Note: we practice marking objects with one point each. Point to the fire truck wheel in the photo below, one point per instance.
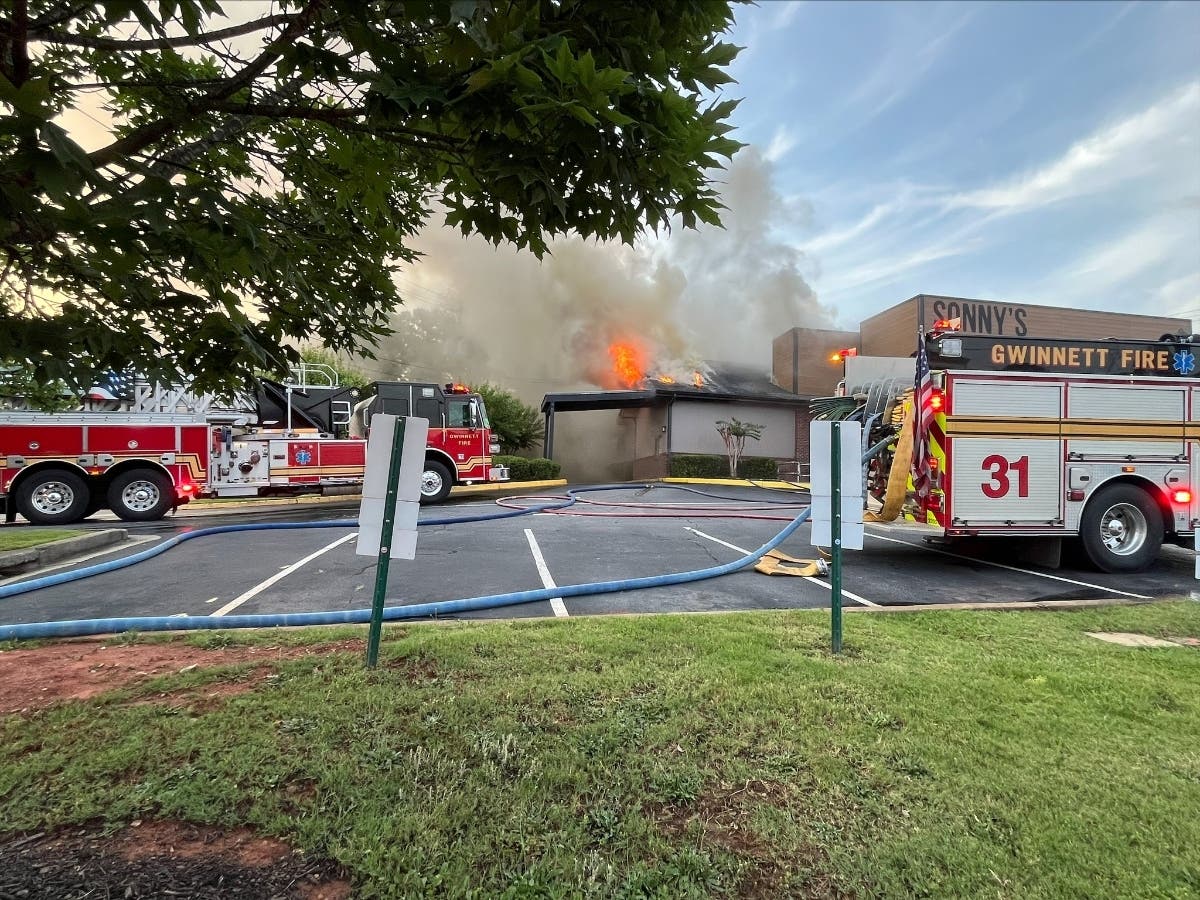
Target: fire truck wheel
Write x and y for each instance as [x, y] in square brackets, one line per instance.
[435, 482]
[1121, 529]
[140, 495]
[53, 497]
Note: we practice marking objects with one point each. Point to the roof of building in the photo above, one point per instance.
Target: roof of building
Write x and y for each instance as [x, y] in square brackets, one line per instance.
[722, 381]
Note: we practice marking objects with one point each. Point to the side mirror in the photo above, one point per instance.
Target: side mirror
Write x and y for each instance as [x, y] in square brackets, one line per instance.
[473, 413]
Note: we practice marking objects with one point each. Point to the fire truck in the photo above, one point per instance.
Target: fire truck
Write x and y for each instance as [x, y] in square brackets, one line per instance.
[1048, 438]
[60, 468]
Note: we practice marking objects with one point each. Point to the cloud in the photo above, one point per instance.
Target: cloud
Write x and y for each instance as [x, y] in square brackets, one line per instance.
[1129, 149]
[781, 144]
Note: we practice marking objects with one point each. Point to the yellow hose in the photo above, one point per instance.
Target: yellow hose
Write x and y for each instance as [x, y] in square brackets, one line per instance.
[897, 483]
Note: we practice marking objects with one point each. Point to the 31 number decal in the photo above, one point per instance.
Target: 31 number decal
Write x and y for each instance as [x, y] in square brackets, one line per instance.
[998, 483]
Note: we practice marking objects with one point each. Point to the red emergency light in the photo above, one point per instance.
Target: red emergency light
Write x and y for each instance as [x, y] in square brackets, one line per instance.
[937, 400]
[947, 325]
[457, 388]
[1182, 496]
[844, 353]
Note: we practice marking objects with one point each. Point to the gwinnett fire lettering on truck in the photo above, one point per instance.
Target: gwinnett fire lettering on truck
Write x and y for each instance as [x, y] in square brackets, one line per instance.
[59, 468]
[1089, 440]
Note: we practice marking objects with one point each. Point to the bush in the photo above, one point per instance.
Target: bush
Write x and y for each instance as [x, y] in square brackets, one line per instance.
[697, 465]
[522, 469]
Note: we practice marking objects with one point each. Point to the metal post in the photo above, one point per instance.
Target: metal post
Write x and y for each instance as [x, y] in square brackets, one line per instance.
[385, 544]
[835, 531]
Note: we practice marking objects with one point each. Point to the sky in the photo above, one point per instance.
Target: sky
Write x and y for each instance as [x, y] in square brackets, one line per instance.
[1027, 152]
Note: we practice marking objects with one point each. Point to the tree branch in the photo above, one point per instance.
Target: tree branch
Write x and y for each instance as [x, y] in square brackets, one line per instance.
[49, 36]
[19, 49]
[141, 138]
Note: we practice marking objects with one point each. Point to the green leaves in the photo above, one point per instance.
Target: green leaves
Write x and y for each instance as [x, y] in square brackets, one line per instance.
[230, 221]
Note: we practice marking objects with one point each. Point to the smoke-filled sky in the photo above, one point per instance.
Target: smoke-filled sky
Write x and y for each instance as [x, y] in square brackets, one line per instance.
[1023, 152]
[714, 294]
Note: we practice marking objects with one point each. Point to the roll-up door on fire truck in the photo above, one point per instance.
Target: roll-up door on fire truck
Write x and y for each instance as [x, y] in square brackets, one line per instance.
[1124, 422]
[1006, 462]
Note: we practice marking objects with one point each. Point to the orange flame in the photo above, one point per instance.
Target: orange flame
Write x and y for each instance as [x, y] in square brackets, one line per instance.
[697, 379]
[627, 363]
[666, 379]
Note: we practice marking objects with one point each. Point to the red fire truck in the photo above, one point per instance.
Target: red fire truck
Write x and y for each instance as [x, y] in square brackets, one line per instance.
[60, 468]
[1094, 440]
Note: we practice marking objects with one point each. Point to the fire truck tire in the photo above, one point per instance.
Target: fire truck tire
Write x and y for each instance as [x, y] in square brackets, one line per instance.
[1121, 529]
[53, 497]
[435, 482]
[141, 495]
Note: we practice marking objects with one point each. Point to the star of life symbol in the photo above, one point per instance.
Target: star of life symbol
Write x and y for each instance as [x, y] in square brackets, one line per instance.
[1184, 362]
[303, 457]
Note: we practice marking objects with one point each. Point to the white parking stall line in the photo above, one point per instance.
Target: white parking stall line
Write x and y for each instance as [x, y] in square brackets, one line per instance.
[829, 587]
[1087, 584]
[278, 576]
[556, 604]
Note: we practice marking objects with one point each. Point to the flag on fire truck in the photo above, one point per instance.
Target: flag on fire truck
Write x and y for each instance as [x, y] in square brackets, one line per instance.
[922, 418]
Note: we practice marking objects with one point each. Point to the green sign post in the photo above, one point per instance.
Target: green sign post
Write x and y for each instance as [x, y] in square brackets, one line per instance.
[385, 544]
[835, 533]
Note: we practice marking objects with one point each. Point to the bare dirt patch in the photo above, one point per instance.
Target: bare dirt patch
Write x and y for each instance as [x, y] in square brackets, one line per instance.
[164, 859]
[723, 813]
[78, 670]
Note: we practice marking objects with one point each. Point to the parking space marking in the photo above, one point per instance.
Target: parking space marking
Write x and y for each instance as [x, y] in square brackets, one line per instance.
[278, 576]
[829, 587]
[556, 603]
[1087, 584]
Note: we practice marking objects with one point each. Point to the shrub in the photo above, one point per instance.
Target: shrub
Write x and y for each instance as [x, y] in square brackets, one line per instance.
[522, 469]
[698, 465]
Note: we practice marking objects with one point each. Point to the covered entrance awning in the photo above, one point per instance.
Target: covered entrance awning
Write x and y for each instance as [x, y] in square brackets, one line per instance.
[589, 400]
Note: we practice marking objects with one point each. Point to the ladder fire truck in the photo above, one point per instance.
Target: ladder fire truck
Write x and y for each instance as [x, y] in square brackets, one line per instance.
[1094, 440]
[59, 468]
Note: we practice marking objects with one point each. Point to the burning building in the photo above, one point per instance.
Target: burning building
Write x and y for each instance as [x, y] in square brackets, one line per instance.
[666, 407]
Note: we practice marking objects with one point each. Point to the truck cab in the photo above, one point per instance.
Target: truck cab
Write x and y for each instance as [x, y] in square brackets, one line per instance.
[460, 444]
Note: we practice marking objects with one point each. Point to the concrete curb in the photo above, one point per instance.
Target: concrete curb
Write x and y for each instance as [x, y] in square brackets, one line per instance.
[210, 507]
[741, 482]
[17, 562]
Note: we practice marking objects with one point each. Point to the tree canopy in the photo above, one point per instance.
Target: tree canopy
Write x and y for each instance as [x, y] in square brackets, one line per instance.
[517, 426]
[262, 175]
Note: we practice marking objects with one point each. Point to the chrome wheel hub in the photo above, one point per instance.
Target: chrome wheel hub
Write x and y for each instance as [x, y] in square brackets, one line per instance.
[140, 496]
[1123, 528]
[52, 498]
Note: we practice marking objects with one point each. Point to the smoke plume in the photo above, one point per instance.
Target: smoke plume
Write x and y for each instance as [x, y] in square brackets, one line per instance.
[477, 313]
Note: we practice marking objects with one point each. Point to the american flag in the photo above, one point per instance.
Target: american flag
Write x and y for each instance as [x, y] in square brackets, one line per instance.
[922, 419]
[113, 386]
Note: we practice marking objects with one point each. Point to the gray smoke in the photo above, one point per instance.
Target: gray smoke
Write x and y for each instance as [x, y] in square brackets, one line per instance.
[476, 313]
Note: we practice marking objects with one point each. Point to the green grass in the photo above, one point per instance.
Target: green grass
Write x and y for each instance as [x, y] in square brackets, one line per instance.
[20, 538]
[944, 755]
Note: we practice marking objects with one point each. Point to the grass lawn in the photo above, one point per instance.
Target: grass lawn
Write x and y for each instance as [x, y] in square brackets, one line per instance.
[20, 538]
[956, 754]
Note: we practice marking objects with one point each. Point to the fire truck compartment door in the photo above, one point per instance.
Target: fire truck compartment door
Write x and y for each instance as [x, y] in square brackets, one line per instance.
[1001, 481]
[1125, 421]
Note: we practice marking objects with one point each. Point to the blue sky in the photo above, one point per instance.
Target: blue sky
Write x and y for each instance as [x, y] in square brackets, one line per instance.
[1035, 152]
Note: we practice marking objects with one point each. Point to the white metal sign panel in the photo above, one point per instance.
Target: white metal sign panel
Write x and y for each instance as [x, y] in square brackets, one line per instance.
[404, 532]
[852, 535]
[996, 482]
[408, 488]
[821, 458]
[1007, 398]
[379, 457]
[1101, 403]
[852, 508]
[821, 486]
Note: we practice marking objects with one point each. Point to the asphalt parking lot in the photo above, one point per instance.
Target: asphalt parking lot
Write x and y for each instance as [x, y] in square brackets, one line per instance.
[615, 535]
